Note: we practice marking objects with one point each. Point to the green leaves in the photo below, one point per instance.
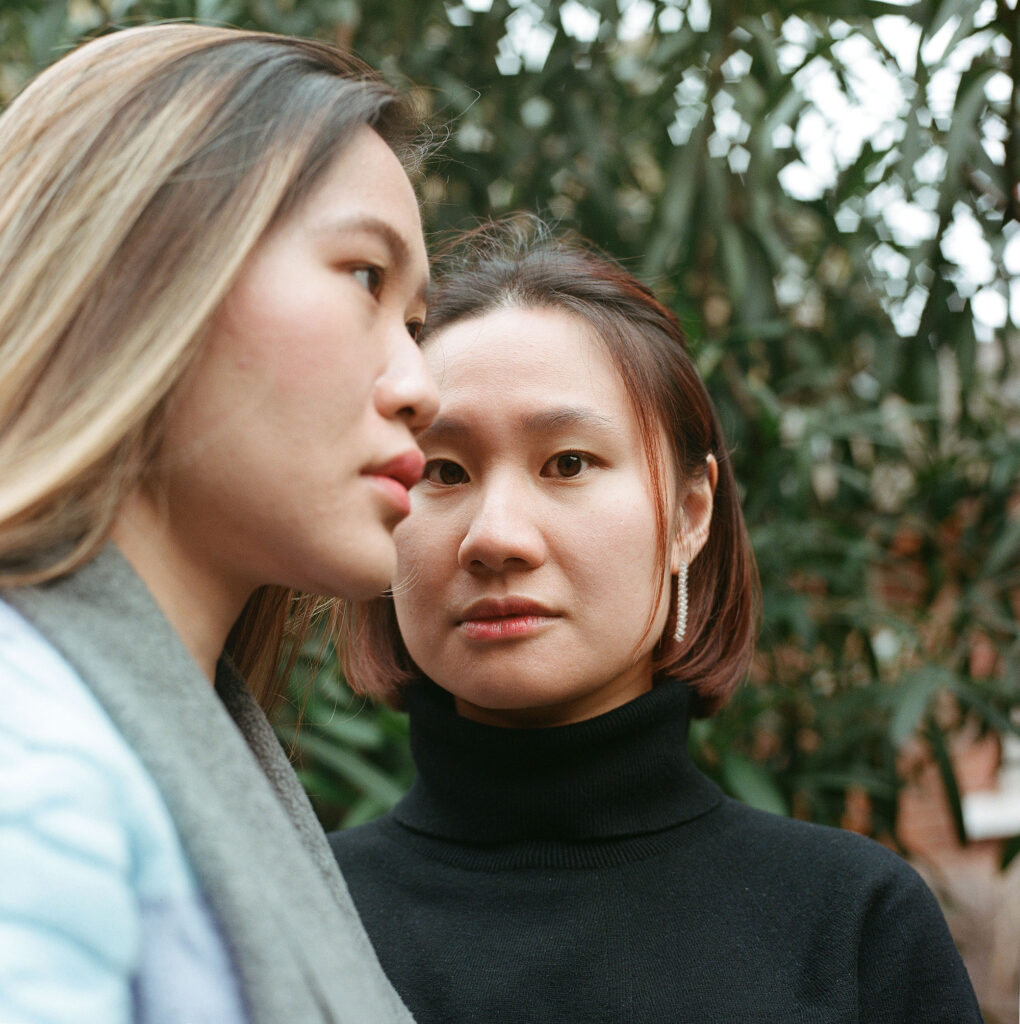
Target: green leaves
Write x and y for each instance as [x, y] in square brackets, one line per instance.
[752, 784]
[873, 418]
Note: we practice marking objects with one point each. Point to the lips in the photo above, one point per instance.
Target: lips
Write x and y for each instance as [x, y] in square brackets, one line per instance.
[407, 468]
[395, 478]
[501, 619]
[504, 608]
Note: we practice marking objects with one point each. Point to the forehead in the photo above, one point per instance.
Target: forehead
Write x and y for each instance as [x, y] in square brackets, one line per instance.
[512, 358]
[367, 182]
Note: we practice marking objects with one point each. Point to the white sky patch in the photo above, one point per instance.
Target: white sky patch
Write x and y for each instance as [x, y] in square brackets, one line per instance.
[910, 223]
[990, 307]
[831, 133]
[931, 165]
[934, 49]
[635, 19]
[690, 95]
[900, 36]
[965, 245]
[699, 15]
[536, 112]
[580, 22]
[527, 42]
[739, 159]
[945, 80]
[478, 6]
[736, 66]
[458, 16]
[1011, 250]
[1011, 261]
[671, 19]
[998, 87]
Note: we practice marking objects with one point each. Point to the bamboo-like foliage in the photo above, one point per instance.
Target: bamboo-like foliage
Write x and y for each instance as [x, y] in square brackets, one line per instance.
[849, 301]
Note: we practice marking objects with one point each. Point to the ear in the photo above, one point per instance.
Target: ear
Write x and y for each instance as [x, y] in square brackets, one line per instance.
[694, 516]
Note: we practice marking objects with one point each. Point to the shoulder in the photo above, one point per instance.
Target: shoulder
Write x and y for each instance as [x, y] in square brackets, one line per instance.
[777, 842]
[808, 864]
[842, 894]
[361, 841]
[84, 837]
[61, 749]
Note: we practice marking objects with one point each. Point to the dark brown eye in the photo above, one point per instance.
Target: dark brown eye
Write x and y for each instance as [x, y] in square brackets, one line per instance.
[569, 465]
[565, 465]
[445, 472]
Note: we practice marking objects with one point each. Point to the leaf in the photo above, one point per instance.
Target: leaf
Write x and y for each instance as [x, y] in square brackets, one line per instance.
[352, 767]
[359, 731]
[839, 781]
[1009, 851]
[946, 10]
[964, 135]
[940, 749]
[672, 231]
[990, 716]
[749, 782]
[1005, 552]
[45, 32]
[910, 703]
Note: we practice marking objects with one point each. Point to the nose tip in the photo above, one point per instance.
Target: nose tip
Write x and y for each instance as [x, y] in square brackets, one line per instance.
[500, 537]
[408, 391]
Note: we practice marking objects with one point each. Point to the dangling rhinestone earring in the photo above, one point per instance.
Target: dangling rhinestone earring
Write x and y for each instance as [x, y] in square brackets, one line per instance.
[681, 604]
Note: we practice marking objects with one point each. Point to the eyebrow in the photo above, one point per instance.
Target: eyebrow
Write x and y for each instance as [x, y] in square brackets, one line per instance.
[391, 239]
[545, 421]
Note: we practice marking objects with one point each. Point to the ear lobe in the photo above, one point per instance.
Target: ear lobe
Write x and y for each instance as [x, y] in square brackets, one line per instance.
[695, 517]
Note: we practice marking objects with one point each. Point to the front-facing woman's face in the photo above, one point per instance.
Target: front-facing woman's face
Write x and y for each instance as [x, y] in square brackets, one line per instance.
[527, 572]
[289, 452]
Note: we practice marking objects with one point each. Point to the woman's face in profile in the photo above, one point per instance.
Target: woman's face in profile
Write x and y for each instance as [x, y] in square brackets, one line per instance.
[527, 570]
[290, 449]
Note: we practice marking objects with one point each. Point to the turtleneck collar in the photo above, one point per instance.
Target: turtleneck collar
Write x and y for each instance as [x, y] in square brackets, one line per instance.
[624, 773]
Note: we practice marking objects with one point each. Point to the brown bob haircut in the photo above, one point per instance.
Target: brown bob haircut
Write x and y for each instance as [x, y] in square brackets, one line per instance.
[519, 263]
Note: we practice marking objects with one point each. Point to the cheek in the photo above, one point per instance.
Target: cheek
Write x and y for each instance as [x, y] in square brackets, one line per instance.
[419, 573]
[297, 328]
[619, 561]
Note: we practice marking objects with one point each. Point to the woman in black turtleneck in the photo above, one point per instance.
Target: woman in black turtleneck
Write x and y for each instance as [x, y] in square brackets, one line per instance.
[575, 582]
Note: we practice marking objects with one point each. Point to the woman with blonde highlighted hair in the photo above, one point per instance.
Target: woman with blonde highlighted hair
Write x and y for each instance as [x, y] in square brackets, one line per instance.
[213, 278]
[574, 585]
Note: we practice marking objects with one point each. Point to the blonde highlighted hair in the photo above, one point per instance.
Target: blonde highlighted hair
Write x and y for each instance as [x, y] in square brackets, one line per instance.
[136, 176]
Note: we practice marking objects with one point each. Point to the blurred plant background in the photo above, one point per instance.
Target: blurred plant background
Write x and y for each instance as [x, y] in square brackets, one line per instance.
[826, 192]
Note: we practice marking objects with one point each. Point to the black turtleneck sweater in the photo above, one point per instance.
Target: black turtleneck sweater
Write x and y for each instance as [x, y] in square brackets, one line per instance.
[590, 873]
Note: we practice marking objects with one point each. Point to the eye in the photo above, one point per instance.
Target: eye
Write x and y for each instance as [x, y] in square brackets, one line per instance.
[445, 473]
[369, 277]
[414, 328]
[566, 465]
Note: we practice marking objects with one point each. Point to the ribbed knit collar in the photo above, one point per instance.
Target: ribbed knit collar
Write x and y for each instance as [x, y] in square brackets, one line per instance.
[624, 773]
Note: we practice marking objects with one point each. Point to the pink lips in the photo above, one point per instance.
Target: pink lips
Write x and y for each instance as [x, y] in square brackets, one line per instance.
[503, 618]
[398, 476]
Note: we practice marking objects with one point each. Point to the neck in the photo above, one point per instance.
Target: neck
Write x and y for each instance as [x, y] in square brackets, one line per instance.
[619, 774]
[628, 685]
[201, 603]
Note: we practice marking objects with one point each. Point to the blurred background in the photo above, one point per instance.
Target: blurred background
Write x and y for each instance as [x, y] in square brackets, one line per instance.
[826, 192]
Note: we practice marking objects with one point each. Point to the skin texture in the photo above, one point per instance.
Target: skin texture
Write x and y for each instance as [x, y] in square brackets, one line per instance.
[311, 379]
[537, 487]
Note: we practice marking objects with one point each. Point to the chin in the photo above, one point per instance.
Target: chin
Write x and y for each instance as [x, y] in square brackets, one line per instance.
[371, 581]
[359, 580]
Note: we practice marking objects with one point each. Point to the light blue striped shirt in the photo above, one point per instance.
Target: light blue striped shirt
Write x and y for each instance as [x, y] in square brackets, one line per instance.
[101, 918]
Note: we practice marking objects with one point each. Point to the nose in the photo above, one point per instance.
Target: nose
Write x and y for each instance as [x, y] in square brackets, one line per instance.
[503, 533]
[406, 389]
